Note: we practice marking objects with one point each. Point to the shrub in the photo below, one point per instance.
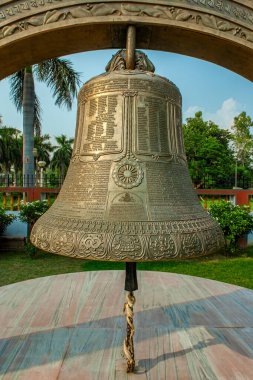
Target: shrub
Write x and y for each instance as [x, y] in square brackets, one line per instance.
[5, 219]
[235, 221]
[31, 211]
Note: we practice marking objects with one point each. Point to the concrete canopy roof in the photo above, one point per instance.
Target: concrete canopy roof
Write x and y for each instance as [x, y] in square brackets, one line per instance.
[219, 31]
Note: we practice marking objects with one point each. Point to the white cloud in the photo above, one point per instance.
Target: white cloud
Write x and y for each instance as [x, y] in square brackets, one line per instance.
[224, 116]
[190, 112]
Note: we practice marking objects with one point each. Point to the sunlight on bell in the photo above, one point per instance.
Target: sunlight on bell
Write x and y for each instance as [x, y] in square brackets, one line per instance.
[128, 195]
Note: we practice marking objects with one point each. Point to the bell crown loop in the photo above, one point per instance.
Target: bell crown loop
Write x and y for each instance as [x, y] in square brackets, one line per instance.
[118, 62]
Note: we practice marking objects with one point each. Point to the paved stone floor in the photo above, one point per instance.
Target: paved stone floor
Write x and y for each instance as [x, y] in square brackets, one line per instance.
[71, 327]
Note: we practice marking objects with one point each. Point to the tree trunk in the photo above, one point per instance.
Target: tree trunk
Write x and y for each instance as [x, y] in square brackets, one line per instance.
[28, 132]
[15, 176]
[7, 177]
[62, 172]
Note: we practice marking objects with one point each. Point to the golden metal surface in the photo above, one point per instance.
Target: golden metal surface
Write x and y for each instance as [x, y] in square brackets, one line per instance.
[130, 47]
[219, 31]
[128, 195]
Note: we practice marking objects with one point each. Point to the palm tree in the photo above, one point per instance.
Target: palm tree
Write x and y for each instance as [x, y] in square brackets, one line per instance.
[17, 163]
[10, 150]
[60, 76]
[43, 147]
[62, 154]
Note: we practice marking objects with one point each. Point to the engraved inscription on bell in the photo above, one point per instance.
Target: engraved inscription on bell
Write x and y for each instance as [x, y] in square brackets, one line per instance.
[152, 132]
[128, 195]
[102, 125]
[85, 191]
[128, 206]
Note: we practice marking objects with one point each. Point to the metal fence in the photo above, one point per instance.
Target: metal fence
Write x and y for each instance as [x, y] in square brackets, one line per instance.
[54, 181]
[208, 182]
[49, 181]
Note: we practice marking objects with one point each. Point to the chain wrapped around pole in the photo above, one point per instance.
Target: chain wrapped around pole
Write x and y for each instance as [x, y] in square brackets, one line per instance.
[128, 346]
[131, 285]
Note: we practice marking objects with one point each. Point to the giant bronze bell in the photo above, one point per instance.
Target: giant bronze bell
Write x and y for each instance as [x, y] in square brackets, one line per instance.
[128, 195]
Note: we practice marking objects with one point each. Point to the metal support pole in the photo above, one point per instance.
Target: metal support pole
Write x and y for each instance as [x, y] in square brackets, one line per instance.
[131, 283]
[130, 47]
[131, 276]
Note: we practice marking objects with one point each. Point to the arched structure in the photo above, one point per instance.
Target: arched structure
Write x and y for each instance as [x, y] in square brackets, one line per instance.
[219, 31]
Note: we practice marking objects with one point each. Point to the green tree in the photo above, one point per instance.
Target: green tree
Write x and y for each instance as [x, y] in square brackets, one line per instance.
[10, 150]
[62, 154]
[60, 76]
[18, 159]
[43, 147]
[208, 150]
[5, 219]
[234, 220]
[30, 213]
[242, 139]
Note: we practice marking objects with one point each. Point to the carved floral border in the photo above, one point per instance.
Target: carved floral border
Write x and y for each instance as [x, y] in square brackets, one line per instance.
[228, 8]
[127, 9]
[128, 240]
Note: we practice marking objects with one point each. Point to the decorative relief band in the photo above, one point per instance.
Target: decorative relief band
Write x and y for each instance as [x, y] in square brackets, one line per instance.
[223, 7]
[226, 8]
[23, 7]
[132, 228]
[235, 28]
[124, 241]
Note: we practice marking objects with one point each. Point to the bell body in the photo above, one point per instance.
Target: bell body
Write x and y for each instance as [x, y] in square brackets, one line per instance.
[128, 195]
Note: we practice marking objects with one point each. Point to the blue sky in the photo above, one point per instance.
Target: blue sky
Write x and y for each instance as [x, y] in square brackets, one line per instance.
[218, 92]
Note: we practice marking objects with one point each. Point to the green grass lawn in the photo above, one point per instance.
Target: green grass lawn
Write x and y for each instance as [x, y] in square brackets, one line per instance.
[18, 266]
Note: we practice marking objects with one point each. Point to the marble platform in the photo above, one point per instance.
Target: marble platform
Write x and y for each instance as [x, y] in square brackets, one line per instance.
[71, 327]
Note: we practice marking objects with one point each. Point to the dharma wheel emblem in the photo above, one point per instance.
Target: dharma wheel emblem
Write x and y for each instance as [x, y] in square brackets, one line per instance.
[128, 174]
